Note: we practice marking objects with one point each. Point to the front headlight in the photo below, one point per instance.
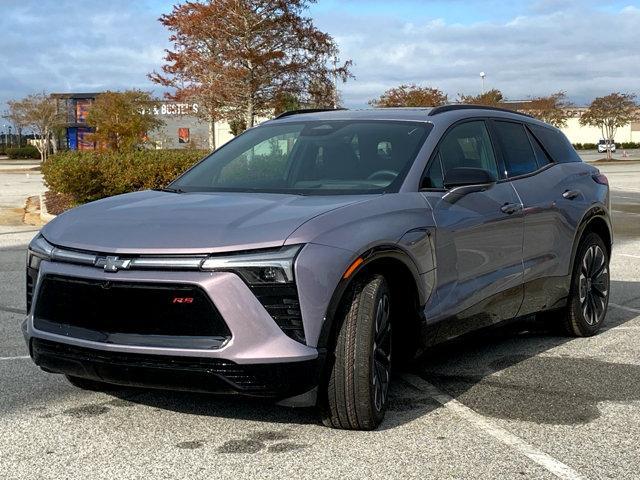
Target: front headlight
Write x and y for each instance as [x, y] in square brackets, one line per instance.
[257, 268]
[39, 249]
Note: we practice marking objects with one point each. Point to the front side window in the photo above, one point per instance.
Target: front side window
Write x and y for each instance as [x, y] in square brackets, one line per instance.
[465, 145]
[313, 157]
[518, 155]
[433, 178]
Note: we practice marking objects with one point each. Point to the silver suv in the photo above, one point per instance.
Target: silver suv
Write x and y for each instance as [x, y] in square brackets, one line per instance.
[303, 259]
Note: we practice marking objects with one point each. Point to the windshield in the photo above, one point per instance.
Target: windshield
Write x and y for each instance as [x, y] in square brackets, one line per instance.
[333, 157]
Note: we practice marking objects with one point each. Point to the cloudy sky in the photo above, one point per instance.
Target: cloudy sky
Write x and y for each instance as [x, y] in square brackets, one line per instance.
[527, 48]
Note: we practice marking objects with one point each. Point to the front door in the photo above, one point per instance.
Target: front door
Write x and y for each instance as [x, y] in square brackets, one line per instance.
[478, 238]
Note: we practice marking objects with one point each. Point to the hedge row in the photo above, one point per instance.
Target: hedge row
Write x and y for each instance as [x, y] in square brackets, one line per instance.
[585, 146]
[88, 176]
[28, 151]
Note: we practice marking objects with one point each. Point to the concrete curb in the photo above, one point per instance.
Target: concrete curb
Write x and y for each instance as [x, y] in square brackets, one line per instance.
[45, 216]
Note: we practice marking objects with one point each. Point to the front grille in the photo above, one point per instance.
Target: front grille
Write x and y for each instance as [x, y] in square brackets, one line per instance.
[32, 275]
[110, 311]
[189, 373]
[281, 302]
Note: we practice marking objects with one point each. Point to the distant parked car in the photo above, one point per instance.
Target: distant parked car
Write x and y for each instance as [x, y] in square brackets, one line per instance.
[302, 258]
[604, 145]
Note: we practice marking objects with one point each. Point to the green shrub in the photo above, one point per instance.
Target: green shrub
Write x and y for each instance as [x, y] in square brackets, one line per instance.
[578, 146]
[589, 146]
[28, 151]
[92, 175]
[629, 145]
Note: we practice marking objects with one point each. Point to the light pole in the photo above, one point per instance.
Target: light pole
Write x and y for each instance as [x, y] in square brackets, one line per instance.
[482, 75]
[335, 82]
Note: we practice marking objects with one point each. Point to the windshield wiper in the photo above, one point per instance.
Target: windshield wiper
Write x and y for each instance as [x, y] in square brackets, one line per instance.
[170, 190]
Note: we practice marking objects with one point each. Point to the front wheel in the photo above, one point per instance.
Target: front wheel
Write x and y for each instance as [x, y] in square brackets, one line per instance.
[358, 385]
[589, 293]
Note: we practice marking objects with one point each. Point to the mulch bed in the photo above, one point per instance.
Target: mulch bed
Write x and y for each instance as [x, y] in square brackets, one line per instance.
[57, 202]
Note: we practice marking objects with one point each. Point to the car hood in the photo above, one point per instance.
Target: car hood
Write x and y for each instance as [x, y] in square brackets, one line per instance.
[164, 222]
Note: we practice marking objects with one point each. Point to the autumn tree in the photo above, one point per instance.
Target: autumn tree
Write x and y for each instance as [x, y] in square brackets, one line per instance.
[237, 56]
[490, 98]
[285, 102]
[410, 96]
[121, 120]
[554, 109]
[38, 113]
[610, 113]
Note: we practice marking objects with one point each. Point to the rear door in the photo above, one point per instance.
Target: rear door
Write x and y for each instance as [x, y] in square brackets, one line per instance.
[478, 239]
[546, 190]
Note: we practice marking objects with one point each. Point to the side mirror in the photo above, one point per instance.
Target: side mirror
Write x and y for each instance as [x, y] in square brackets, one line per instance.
[462, 181]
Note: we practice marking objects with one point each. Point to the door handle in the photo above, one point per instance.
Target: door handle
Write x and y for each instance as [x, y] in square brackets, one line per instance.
[510, 208]
[570, 194]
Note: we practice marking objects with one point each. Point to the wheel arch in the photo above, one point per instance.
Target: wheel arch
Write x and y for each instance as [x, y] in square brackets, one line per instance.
[595, 220]
[389, 260]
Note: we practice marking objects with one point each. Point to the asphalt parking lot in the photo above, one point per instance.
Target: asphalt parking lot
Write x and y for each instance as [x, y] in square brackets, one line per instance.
[517, 402]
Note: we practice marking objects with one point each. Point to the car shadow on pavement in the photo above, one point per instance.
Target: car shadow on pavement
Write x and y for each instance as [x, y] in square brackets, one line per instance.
[527, 371]
[523, 370]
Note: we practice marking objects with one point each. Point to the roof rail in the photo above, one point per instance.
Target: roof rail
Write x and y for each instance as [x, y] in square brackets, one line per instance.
[463, 106]
[307, 110]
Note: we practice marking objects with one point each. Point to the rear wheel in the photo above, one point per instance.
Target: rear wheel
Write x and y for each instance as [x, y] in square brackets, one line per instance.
[589, 293]
[358, 385]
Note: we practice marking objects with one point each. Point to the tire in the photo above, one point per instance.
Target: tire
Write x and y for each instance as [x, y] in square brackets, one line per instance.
[358, 383]
[86, 384]
[590, 288]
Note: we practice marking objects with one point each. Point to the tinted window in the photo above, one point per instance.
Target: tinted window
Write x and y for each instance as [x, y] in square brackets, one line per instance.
[518, 155]
[556, 144]
[313, 157]
[433, 178]
[541, 156]
[468, 145]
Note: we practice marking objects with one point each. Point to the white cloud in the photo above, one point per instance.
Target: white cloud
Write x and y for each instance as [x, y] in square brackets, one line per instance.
[546, 46]
[77, 46]
[583, 51]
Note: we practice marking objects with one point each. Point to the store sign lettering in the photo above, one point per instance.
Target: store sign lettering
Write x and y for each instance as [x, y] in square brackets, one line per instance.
[176, 109]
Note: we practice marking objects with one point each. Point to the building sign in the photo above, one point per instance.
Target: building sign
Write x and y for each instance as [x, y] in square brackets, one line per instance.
[176, 109]
[183, 135]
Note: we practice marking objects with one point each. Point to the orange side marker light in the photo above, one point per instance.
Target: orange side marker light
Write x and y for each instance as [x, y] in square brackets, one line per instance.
[352, 268]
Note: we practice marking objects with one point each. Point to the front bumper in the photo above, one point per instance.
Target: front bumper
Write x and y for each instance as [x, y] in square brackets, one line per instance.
[255, 336]
[199, 374]
[258, 359]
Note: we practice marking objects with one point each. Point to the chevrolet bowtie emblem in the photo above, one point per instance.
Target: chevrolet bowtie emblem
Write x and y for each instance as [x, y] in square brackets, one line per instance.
[113, 264]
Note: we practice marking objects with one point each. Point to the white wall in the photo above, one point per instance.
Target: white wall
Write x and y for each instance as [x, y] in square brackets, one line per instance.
[576, 133]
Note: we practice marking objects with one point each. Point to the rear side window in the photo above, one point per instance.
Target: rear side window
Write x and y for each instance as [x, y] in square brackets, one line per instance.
[541, 156]
[556, 144]
[519, 157]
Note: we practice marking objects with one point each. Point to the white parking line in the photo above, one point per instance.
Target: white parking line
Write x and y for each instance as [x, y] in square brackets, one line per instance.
[626, 213]
[626, 198]
[622, 307]
[629, 255]
[22, 357]
[556, 467]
